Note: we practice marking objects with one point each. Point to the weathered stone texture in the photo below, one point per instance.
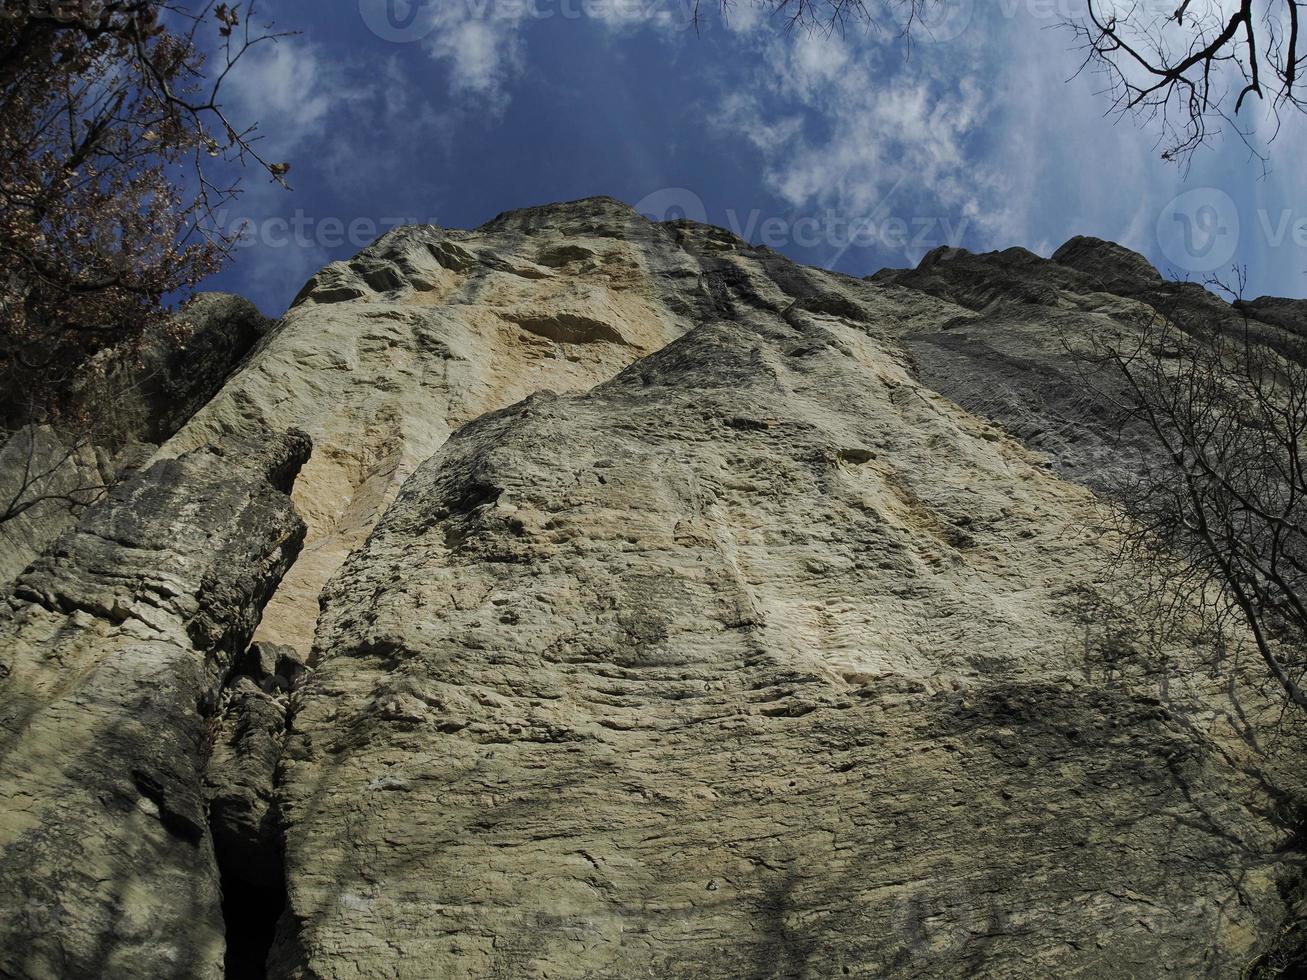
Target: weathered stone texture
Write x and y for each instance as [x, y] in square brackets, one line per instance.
[762, 659]
[664, 609]
[383, 356]
[129, 401]
[113, 647]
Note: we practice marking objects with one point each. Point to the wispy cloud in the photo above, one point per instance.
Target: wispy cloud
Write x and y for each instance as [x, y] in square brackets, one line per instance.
[291, 88]
[845, 122]
[481, 46]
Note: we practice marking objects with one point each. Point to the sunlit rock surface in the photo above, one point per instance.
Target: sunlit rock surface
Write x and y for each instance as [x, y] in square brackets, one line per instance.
[664, 608]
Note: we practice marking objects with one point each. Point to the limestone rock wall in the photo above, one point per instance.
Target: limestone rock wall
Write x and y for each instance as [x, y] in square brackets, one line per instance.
[46, 480]
[382, 357]
[1010, 354]
[762, 659]
[649, 605]
[113, 648]
[130, 401]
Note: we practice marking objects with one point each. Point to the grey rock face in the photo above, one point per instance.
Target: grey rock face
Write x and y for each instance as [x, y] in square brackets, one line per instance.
[760, 659]
[1112, 266]
[382, 357]
[1287, 314]
[239, 782]
[670, 615]
[147, 394]
[240, 778]
[45, 483]
[136, 399]
[112, 648]
[1010, 355]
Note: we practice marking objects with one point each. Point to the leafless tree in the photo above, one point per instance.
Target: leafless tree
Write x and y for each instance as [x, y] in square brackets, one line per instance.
[1191, 66]
[1218, 516]
[111, 124]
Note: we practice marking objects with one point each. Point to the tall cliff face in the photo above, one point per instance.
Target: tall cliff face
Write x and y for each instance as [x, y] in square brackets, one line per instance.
[112, 647]
[382, 357]
[667, 613]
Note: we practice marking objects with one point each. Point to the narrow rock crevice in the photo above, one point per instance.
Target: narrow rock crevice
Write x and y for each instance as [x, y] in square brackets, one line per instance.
[250, 913]
[248, 733]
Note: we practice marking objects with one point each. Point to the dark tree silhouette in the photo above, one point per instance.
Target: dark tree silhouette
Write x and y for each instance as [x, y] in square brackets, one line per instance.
[112, 130]
[1192, 71]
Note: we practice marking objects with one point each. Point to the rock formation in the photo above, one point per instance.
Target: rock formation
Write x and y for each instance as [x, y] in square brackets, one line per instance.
[382, 357]
[113, 649]
[664, 609]
[132, 400]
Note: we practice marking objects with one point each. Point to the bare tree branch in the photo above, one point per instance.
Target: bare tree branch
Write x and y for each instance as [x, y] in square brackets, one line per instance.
[1192, 73]
[1219, 516]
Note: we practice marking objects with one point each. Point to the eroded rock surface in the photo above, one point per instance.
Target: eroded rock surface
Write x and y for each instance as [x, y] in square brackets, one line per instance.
[762, 659]
[112, 421]
[664, 609]
[1011, 354]
[147, 393]
[383, 356]
[113, 647]
[46, 481]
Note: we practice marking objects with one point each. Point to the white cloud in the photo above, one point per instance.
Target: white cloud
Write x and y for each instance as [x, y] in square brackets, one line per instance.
[483, 44]
[482, 47]
[856, 129]
[290, 88]
[628, 14]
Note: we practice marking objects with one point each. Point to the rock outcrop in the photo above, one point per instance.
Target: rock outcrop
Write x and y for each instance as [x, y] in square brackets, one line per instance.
[113, 649]
[46, 481]
[1011, 355]
[761, 659]
[382, 357]
[131, 400]
[663, 608]
[147, 393]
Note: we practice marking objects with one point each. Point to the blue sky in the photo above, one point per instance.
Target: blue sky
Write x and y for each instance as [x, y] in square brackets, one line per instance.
[849, 152]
